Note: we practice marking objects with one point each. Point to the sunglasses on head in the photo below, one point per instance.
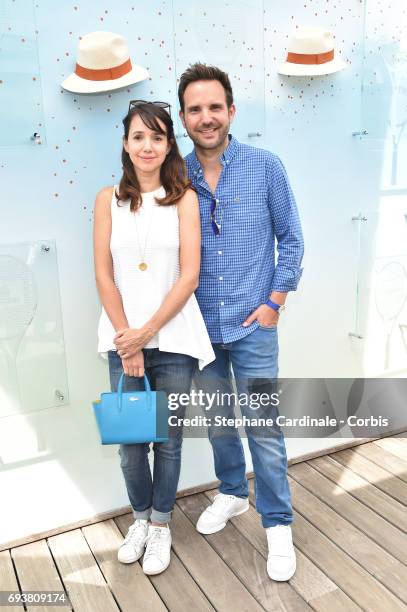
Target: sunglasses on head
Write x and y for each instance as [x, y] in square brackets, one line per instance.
[164, 105]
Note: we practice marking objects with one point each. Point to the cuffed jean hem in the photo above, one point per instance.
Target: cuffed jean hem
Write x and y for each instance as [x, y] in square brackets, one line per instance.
[149, 514]
[160, 517]
[143, 514]
[271, 523]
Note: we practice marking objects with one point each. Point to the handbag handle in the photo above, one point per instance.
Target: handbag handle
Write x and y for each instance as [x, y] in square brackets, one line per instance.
[146, 384]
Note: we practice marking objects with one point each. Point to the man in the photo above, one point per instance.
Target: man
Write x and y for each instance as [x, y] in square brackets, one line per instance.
[246, 205]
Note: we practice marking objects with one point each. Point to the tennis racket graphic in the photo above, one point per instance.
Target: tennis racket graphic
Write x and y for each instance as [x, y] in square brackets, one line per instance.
[390, 297]
[18, 303]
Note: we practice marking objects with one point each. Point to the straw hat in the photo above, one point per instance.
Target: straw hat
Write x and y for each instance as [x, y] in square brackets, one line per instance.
[103, 64]
[311, 52]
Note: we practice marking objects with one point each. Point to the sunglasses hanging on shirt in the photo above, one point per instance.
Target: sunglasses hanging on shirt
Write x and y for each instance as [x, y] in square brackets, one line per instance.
[216, 225]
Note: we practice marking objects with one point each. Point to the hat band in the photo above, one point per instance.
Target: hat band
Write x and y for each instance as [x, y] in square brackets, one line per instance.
[310, 58]
[103, 74]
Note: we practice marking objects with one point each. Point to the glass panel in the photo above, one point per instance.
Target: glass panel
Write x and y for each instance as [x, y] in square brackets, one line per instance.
[199, 37]
[32, 352]
[384, 288]
[384, 79]
[20, 87]
[381, 291]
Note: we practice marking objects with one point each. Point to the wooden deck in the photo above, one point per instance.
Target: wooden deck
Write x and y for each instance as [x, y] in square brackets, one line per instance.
[349, 532]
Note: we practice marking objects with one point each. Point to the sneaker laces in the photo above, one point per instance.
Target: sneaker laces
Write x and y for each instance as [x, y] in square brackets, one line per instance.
[279, 540]
[221, 502]
[136, 534]
[155, 541]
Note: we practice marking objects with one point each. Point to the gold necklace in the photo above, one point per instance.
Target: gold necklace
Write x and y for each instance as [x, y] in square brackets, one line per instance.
[143, 265]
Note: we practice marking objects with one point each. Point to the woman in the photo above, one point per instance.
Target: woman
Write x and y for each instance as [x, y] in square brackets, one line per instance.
[147, 259]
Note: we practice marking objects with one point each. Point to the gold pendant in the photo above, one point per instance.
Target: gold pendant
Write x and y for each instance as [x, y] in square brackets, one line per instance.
[142, 266]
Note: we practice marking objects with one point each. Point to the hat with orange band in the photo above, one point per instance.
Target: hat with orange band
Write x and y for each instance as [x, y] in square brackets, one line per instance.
[311, 52]
[103, 64]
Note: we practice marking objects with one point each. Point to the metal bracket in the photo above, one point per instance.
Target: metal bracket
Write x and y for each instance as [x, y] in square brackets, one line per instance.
[353, 335]
[361, 133]
[36, 137]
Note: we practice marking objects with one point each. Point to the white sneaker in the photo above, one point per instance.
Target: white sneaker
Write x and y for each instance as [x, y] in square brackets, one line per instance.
[224, 507]
[134, 542]
[281, 562]
[157, 555]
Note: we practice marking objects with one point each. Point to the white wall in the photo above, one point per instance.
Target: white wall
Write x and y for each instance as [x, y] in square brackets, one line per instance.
[308, 122]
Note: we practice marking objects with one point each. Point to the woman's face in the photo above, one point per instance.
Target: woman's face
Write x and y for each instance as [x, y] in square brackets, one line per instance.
[147, 149]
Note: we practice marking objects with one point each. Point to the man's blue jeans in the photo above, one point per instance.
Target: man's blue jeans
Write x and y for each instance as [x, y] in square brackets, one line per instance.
[254, 360]
[153, 498]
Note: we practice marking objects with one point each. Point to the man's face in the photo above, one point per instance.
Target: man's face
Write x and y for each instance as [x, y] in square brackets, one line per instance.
[206, 116]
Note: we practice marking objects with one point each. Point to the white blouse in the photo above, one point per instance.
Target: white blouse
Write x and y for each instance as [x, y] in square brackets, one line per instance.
[151, 235]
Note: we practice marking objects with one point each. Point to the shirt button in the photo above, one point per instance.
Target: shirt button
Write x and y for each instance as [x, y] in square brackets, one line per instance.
[217, 201]
[222, 303]
[220, 277]
[219, 252]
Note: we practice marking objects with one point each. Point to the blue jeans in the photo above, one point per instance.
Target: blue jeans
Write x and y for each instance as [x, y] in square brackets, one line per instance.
[254, 360]
[153, 497]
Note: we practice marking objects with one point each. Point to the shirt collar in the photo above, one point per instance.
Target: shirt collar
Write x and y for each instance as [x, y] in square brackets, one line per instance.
[225, 159]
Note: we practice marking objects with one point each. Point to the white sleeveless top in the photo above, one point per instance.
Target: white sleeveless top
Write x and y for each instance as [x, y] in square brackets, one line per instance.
[142, 292]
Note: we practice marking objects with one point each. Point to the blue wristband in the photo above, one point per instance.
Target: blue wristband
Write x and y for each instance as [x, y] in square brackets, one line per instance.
[272, 305]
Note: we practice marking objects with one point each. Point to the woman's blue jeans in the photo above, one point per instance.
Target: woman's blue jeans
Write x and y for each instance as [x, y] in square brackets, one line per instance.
[153, 497]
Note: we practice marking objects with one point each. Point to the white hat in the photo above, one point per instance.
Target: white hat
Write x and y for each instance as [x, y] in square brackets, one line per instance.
[311, 52]
[103, 64]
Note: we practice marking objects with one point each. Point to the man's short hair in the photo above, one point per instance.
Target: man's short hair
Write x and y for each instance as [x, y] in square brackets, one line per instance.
[202, 72]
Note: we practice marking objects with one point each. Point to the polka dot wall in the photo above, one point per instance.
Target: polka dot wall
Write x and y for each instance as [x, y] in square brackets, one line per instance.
[247, 38]
[308, 121]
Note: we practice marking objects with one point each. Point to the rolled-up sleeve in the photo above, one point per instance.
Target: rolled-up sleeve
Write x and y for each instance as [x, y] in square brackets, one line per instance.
[286, 226]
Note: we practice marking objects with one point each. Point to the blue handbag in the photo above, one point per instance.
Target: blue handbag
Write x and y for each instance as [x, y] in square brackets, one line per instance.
[132, 417]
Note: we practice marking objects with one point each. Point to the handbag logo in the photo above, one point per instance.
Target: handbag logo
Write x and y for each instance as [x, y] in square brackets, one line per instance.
[134, 399]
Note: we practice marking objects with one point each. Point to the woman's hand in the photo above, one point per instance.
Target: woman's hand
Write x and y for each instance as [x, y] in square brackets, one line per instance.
[134, 365]
[130, 341]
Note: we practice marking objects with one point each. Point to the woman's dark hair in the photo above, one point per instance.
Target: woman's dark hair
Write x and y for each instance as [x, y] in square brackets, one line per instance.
[202, 72]
[173, 172]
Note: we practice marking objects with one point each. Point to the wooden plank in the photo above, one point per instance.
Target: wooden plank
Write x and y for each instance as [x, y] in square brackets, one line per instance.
[8, 579]
[182, 493]
[36, 571]
[347, 537]
[210, 572]
[381, 503]
[309, 581]
[246, 562]
[43, 535]
[334, 601]
[176, 587]
[355, 581]
[378, 529]
[392, 464]
[80, 574]
[130, 586]
[394, 446]
[324, 451]
[373, 473]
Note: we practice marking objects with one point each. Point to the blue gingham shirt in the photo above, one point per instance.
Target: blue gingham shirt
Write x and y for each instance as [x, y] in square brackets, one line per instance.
[255, 208]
